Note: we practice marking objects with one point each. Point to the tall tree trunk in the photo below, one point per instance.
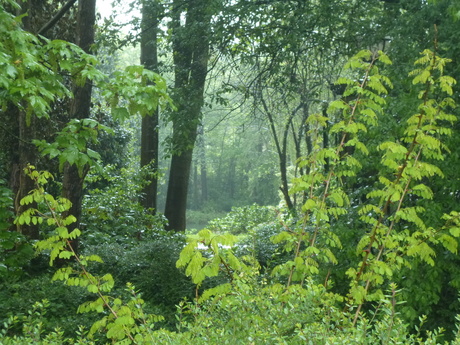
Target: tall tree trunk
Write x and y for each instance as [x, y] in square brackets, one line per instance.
[27, 155]
[72, 186]
[231, 176]
[149, 136]
[204, 180]
[203, 167]
[176, 199]
[281, 149]
[191, 55]
[196, 187]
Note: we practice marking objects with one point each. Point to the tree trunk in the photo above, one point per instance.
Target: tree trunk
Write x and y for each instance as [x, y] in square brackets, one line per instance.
[191, 55]
[176, 199]
[203, 167]
[281, 149]
[72, 186]
[149, 136]
[204, 181]
[196, 187]
[27, 155]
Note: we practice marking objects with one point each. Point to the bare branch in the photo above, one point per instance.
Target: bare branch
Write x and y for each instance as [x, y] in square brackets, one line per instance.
[56, 17]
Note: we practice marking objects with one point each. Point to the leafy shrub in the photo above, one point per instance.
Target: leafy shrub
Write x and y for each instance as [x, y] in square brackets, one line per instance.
[61, 308]
[15, 251]
[258, 243]
[33, 331]
[113, 213]
[151, 266]
[240, 219]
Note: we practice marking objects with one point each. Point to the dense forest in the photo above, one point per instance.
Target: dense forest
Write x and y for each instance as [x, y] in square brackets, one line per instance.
[229, 172]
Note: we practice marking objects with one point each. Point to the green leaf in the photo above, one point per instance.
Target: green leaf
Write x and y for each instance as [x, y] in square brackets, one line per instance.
[92, 288]
[65, 254]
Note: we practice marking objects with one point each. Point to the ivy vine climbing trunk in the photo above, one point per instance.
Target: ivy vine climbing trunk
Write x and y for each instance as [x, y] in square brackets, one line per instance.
[72, 186]
[191, 55]
[149, 136]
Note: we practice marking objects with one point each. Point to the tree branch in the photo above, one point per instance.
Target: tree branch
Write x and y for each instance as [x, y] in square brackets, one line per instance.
[56, 17]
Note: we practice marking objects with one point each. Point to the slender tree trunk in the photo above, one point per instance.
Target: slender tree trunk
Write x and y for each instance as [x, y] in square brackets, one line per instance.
[27, 155]
[326, 139]
[231, 178]
[196, 187]
[203, 167]
[149, 136]
[191, 55]
[72, 186]
[281, 149]
[204, 181]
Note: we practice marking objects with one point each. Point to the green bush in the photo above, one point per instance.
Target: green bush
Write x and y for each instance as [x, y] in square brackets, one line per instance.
[61, 311]
[33, 330]
[151, 266]
[113, 213]
[15, 251]
[258, 243]
[240, 219]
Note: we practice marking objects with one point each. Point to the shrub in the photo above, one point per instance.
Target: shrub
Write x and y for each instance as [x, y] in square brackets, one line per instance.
[15, 251]
[151, 266]
[258, 243]
[240, 219]
[113, 213]
[61, 308]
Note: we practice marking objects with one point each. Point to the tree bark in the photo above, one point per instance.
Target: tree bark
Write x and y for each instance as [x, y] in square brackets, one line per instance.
[191, 55]
[149, 131]
[27, 155]
[72, 186]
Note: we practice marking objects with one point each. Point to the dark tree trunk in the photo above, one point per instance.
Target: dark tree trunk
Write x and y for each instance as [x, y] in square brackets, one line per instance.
[176, 200]
[25, 152]
[191, 54]
[72, 186]
[27, 155]
[149, 136]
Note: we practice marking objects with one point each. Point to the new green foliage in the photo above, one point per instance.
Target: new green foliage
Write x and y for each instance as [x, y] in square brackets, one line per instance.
[206, 255]
[293, 307]
[398, 231]
[122, 321]
[312, 239]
